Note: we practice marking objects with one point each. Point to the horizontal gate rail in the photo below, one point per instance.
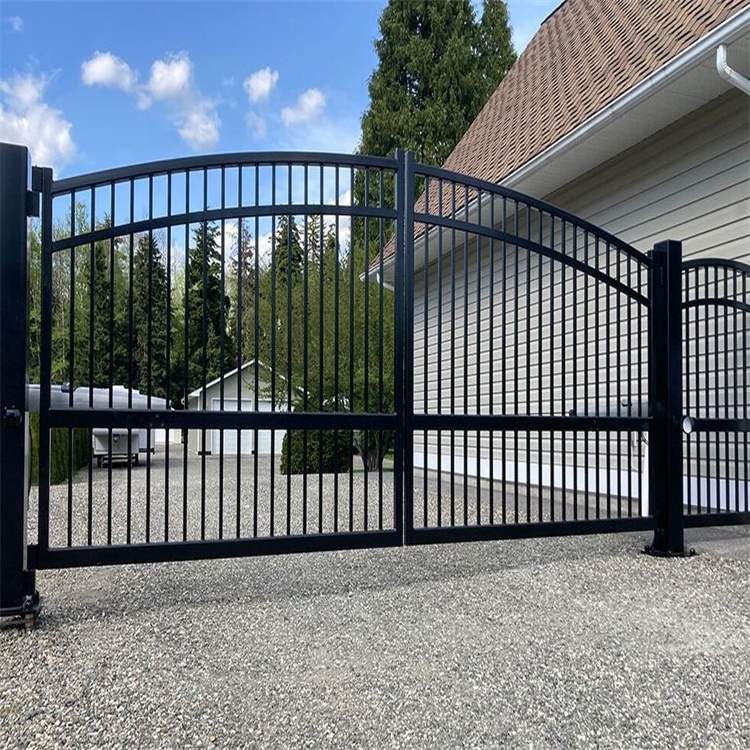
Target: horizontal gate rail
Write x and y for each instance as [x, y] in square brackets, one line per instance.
[217, 161]
[494, 189]
[534, 247]
[497, 532]
[122, 554]
[219, 419]
[199, 217]
[530, 423]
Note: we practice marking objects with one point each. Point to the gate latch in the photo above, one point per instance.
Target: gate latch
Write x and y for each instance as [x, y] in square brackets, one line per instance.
[12, 416]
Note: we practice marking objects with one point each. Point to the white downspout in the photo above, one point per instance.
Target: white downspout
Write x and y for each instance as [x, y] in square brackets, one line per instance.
[729, 74]
[380, 280]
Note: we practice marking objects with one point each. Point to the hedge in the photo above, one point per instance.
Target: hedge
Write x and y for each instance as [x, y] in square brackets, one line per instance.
[59, 442]
[328, 451]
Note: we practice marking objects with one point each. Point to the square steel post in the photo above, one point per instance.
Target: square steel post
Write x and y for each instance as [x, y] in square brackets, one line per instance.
[665, 399]
[17, 583]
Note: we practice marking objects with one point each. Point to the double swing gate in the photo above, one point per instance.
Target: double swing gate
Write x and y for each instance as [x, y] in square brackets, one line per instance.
[264, 353]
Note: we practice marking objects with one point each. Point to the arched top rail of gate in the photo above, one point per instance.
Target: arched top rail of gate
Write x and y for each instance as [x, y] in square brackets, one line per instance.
[463, 204]
[716, 282]
[191, 190]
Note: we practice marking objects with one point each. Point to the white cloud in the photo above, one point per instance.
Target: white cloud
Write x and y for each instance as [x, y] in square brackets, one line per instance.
[170, 81]
[256, 124]
[106, 69]
[199, 124]
[264, 249]
[16, 23]
[260, 84]
[171, 77]
[326, 134]
[26, 119]
[344, 226]
[310, 105]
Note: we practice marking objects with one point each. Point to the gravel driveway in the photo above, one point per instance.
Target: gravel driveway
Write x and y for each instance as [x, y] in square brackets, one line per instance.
[572, 642]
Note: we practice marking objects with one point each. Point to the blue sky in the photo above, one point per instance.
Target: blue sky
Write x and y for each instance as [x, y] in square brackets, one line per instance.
[94, 85]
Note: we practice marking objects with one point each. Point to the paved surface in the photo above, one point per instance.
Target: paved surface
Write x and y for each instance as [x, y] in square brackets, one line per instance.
[575, 642]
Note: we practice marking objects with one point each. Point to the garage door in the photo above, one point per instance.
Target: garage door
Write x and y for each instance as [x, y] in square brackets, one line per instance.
[246, 436]
[264, 436]
[230, 436]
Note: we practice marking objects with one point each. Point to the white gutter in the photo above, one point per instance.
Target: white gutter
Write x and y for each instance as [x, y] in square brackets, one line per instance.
[691, 56]
[375, 277]
[729, 74]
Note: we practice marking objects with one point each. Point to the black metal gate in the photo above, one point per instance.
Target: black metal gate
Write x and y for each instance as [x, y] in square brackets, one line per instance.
[241, 365]
[716, 317]
[264, 353]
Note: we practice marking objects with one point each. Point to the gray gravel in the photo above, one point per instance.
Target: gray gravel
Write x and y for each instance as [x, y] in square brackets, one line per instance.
[572, 642]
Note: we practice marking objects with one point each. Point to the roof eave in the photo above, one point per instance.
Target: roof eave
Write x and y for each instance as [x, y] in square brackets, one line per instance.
[533, 177]
[660, 79]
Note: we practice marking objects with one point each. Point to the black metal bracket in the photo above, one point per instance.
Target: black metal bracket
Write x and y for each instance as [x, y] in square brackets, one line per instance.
[25, 614]
[32, 203]
[655, 552]
[12, 417]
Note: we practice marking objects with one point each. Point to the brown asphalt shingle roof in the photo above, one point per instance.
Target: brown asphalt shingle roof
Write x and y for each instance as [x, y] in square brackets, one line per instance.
[586, 54]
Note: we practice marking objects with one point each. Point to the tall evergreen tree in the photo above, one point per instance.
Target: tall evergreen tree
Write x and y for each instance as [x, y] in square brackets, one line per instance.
[288, 250]
[436, 68]
[243, 285]
[101, 354]
[496, 53]
[150, 295]
[210, 349]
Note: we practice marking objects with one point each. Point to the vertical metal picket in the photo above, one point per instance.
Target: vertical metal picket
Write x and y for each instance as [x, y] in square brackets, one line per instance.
[17, 584]
[665, 399]
[401, 469]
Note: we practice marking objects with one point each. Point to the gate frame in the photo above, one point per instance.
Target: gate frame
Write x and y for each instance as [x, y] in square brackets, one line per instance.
[18, 595]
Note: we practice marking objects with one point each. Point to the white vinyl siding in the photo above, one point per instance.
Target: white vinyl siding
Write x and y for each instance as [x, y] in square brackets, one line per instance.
[690, 182]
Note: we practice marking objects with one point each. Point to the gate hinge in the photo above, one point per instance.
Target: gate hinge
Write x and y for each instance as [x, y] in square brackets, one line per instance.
[12, 417]
[33, 196]
[32, 203]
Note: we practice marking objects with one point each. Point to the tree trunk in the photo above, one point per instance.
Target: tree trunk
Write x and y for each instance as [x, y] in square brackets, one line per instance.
[372, 459]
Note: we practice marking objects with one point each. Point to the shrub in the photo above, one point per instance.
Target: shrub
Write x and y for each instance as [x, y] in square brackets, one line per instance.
[59, 443]
[323, 451]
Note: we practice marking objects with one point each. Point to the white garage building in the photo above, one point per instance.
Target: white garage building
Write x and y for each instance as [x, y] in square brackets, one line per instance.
[239, 394]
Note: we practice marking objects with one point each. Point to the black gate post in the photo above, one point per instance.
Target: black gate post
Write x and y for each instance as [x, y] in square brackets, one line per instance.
[17, 585]
[665, 399]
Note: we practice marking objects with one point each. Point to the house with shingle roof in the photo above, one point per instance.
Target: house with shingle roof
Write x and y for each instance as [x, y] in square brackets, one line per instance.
[632, 115]
[601, 91]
